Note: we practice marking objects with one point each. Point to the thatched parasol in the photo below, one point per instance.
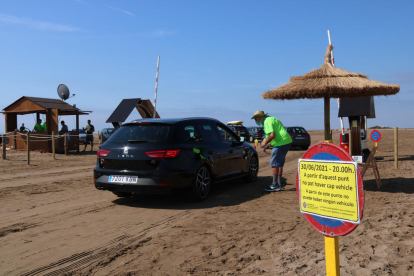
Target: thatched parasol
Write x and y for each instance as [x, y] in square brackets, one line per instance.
[330, 82]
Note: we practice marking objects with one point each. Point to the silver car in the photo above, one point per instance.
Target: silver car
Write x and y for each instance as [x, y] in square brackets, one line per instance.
[82, 136]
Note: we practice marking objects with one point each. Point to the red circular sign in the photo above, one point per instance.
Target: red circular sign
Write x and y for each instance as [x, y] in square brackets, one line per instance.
[375, 136]
[327, 226]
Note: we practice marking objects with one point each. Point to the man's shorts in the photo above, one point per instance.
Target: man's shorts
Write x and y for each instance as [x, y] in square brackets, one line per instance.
[89, 137]
[278, 156]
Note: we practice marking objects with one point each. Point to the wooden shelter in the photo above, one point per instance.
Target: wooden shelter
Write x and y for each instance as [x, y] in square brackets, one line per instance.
[52, 108]
[330, 82]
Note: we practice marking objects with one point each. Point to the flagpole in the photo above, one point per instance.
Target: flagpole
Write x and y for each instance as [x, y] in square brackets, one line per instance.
[333, 63]
[156, 87]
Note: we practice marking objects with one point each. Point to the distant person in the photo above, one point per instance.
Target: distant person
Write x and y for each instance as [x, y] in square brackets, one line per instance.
[89, 134]
[38, 126]
[22, 128]
[279, 138]
[64, 127]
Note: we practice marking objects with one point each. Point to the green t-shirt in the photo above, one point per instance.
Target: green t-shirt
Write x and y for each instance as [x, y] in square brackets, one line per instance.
[38, 128]
[282, 137]
[44, 126]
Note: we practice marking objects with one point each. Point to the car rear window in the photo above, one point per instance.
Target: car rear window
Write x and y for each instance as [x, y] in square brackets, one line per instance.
[141, 132]
[296, 130]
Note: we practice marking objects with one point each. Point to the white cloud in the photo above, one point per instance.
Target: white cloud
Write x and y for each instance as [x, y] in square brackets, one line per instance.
[124, 11]
[200, 91]
[162, 33]
[41, 25]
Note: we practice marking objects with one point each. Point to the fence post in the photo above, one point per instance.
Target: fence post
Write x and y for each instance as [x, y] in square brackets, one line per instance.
[3, 144]
[53, 144]
[66, 144]
[15, 142]
[396, 146]
[28, 148]
[101, 140]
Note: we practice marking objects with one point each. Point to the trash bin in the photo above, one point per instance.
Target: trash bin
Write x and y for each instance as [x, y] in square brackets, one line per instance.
[344, 141]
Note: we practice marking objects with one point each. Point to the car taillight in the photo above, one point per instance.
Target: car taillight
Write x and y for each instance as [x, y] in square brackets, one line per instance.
[103, 153]
[258, 132]
[307, 136]
[162, 154]
[291, 136]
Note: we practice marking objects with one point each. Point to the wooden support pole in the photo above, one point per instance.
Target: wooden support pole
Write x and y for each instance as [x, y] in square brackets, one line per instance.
[350, 144]
[101, 138]
[3, 144]
[28, 148]
[332, 256]
[53, 144]
[327, 117]
[239, 133]
[66, 144]
[396, 146]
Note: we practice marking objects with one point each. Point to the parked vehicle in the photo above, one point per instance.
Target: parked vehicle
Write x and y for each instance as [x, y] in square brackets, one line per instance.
[188, 155]
[82, 136]
[237, 126]
[300, 137]
[106, 133]
[255, 132]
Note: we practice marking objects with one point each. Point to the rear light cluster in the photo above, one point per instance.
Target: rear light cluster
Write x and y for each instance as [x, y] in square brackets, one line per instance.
[103, 153]
[291, 136]
[307, 136]
[258, 132]
[162, 154]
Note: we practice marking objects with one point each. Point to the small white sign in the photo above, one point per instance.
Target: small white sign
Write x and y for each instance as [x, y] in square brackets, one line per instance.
[357, 158]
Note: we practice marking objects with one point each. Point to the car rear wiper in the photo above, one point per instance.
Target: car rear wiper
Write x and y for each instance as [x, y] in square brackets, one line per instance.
[141, 141]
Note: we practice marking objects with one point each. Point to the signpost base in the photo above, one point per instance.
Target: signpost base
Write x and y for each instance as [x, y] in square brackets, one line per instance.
[332, 256]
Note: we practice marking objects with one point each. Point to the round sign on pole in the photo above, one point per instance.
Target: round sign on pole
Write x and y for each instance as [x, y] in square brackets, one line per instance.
[375, 136]
[330, 189]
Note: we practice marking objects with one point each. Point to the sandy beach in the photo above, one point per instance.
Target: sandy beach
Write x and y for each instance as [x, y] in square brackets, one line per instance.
[54, 222]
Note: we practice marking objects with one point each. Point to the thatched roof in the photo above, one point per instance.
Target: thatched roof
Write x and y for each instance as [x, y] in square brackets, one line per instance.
[331, 82]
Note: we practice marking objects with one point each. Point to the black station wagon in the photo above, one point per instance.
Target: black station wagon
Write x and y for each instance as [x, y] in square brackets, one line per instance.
[156, 156]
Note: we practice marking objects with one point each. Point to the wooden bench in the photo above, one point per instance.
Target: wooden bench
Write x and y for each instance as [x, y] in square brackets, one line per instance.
[371, 163]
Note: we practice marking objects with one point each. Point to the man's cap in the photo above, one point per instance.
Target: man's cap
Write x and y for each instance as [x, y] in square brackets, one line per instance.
[259, 113]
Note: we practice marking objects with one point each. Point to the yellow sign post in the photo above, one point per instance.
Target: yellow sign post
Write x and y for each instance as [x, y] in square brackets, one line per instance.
[328, 195]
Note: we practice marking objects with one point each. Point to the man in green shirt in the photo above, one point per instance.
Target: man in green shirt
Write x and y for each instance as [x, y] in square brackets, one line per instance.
[38, 126]
[279, 138]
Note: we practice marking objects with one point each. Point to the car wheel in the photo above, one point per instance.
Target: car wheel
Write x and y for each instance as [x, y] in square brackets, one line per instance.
[122, 194]
[253, 169]
[251, 139]
[200, 188]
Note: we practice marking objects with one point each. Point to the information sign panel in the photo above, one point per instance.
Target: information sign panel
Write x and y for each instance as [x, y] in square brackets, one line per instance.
[329, 189]
[331, 194]
[375, 136]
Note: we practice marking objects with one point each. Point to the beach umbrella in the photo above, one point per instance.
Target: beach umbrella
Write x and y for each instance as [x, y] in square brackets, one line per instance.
[330, 82]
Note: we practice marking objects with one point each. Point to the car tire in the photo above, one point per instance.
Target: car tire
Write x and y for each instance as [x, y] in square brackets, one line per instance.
[201, 184]
[253, 169]
[122, 194]
[251, 139]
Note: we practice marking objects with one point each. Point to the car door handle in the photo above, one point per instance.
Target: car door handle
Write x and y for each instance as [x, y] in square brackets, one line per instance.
[230, 151]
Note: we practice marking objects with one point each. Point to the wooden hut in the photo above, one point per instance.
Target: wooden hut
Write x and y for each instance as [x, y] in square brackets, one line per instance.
[52, 108]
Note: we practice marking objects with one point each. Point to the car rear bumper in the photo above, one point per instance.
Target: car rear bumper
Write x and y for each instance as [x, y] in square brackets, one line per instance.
[149, 182]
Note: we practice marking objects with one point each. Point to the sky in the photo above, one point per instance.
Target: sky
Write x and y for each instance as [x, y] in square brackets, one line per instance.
[217, 58]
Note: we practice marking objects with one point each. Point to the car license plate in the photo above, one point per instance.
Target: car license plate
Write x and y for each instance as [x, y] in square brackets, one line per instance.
[242, 132]
[300, 137]
[123, 179]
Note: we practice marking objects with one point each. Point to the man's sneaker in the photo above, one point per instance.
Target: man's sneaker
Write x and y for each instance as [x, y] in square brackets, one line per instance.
[273, 188]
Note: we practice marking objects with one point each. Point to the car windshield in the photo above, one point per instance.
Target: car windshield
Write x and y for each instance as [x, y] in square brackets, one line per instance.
[110, 130]
[141, 133]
